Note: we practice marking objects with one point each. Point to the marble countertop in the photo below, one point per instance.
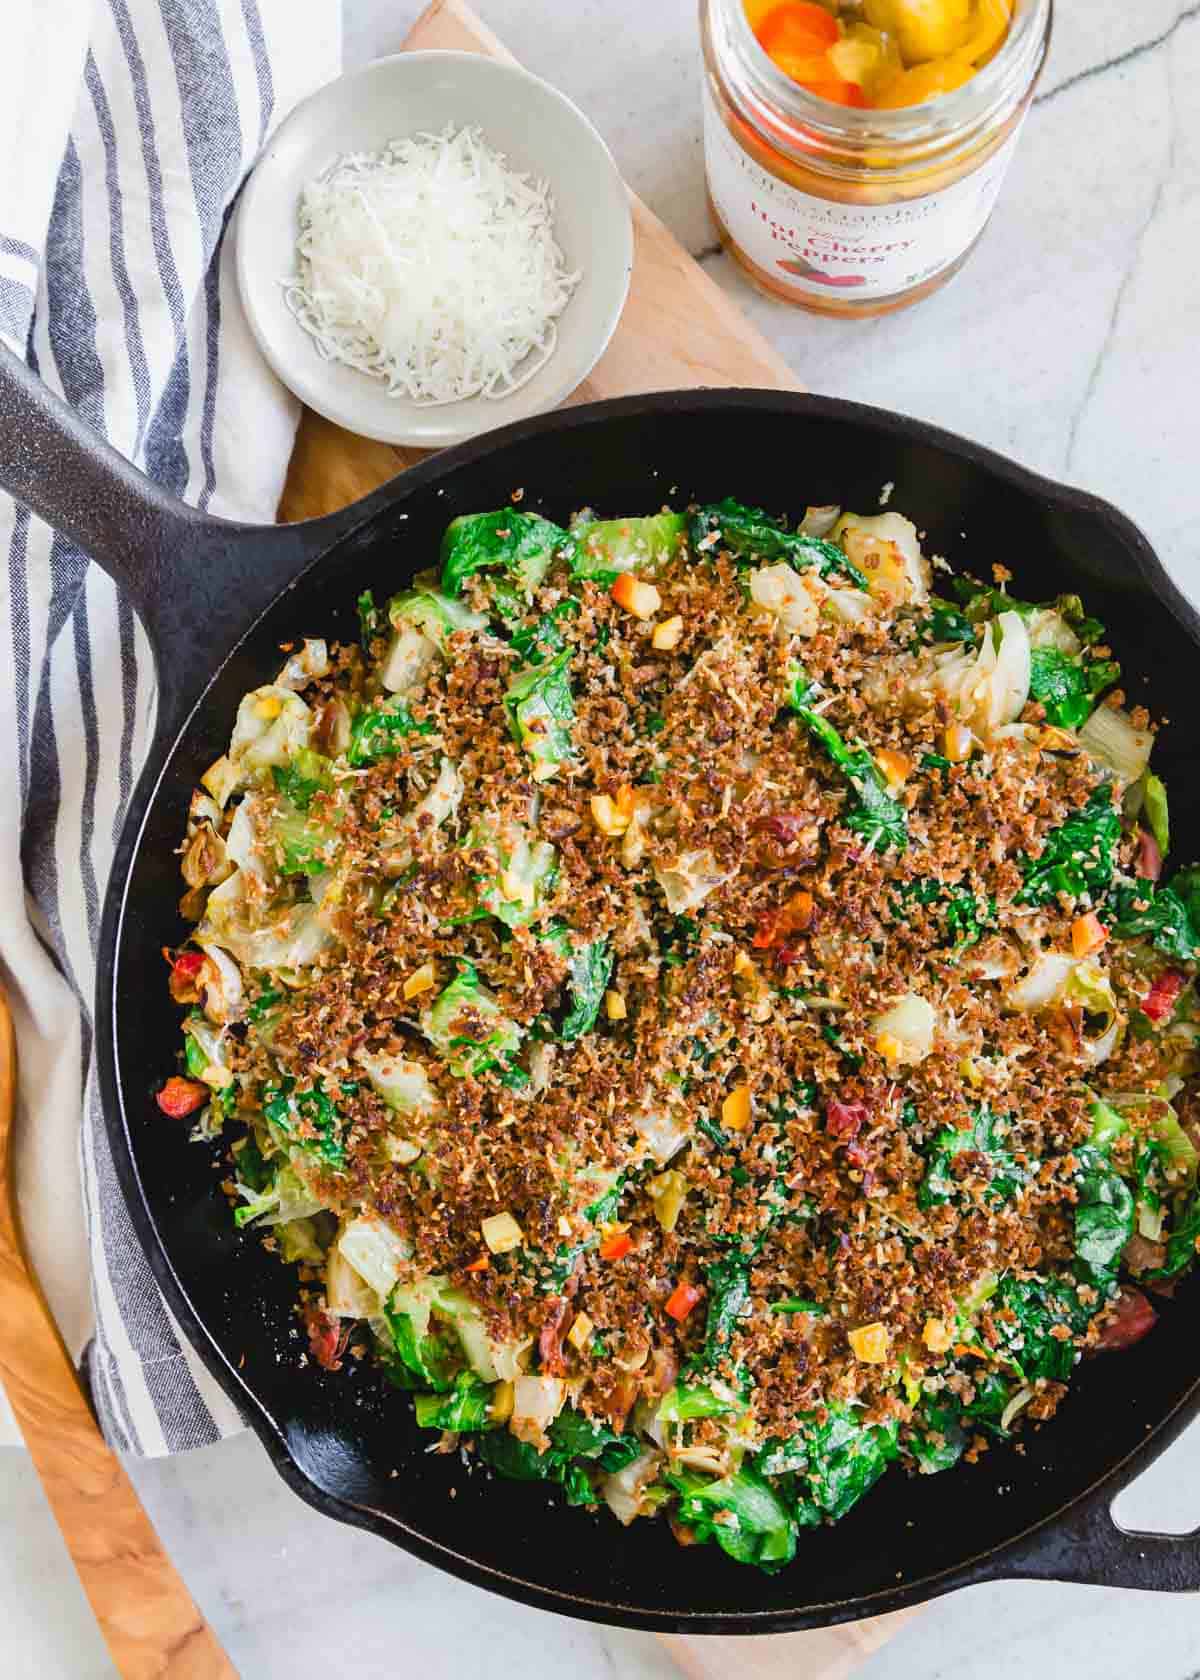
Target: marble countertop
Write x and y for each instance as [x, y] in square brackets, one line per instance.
[1070, 342]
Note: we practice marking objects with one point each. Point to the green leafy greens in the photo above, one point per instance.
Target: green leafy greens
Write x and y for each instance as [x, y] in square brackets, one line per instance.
[984, 1137]
[541, 712]
[521, 545]
[1078, 858]
[749, 534]
[872, 812]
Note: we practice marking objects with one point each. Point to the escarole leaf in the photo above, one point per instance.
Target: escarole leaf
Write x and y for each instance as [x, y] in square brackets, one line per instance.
[379, 731]
[1031, 1315]
[1140, 910]
[542, 640]
[310, 1119]
[588, 971]
[1078, 858]
[937, 1439]
[828, 1466]
[541, 711]
[606, 547]
[983, 1136]
[1156, 811]
[423, 1353]
[1182, 1239]
[1068, 688]
[742, 1513]
[579, 1451]
[521, 545]
[966, 915]
[946, 624]
[749, 535]
[728, 1298]
[466, 1025]
[467, 1407]
[1104, 1219]
[872, 812]
[306, 775]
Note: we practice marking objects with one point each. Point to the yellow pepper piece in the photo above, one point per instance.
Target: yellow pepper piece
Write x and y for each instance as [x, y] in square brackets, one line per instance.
[614, 1006]
[936, 1336]
[926, 29]
[870, 1344]
[924, 81]
[502, 1233]
[735, 1110]
[897, 767]
[608, 815]
[957, 742]
[855, 61]
[668, 1192]
[890, 1047]
[503, 1396]
[580, 1333]
[668, 634]
[422, 979]
[989, 26]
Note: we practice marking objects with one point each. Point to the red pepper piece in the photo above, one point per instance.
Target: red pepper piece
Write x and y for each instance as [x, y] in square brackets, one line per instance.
[1130, 1319]
[681, 1300]
[181, 1097]
[845, 1120]
[1159, 1002]
[186, 968]
[326, 1338]
[1150, 858]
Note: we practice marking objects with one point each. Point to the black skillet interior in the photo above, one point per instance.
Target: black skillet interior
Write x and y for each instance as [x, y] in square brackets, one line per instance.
[340, 1438]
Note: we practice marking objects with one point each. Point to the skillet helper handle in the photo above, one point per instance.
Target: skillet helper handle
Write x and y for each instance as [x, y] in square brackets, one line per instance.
[1089, 1546]
[152, 1627]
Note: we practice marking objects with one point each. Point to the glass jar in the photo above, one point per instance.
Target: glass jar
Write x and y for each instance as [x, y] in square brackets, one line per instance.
[848, 211]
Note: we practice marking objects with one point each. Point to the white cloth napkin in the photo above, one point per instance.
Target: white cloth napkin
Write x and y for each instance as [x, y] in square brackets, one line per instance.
[126, 129]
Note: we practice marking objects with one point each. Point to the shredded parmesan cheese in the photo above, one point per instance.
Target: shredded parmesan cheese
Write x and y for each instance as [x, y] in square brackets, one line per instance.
[431, 266]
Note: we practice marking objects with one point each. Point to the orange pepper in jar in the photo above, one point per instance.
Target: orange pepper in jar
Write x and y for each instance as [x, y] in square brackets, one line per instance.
[883, 54]
[839, 176]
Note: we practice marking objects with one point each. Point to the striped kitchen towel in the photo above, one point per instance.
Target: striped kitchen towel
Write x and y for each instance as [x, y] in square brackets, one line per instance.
[126, 129]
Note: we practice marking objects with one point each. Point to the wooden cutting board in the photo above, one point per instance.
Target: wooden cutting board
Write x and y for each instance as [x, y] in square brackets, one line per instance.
[678, 330]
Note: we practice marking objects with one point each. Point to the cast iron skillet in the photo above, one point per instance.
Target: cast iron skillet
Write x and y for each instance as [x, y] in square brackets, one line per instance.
[217, 599]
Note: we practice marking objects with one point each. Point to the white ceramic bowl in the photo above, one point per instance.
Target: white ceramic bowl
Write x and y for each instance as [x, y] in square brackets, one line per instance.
[538, 131]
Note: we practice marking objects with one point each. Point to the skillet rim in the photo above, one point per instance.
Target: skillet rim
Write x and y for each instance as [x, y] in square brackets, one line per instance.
[987, 1564]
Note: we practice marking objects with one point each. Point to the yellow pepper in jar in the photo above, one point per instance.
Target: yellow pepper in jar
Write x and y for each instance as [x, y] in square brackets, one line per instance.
[879, 54]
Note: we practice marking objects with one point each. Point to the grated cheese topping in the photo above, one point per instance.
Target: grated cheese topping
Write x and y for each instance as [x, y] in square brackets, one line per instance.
[431, 266]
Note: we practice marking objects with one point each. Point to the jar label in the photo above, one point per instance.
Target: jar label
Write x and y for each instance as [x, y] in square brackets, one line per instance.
[819, 248]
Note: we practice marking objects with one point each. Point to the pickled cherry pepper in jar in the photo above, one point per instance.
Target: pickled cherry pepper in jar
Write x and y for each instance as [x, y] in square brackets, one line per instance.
[855, 148]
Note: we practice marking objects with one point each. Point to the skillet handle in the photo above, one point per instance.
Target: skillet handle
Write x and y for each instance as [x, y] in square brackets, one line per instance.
[1090, 1547]
[196, 582]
